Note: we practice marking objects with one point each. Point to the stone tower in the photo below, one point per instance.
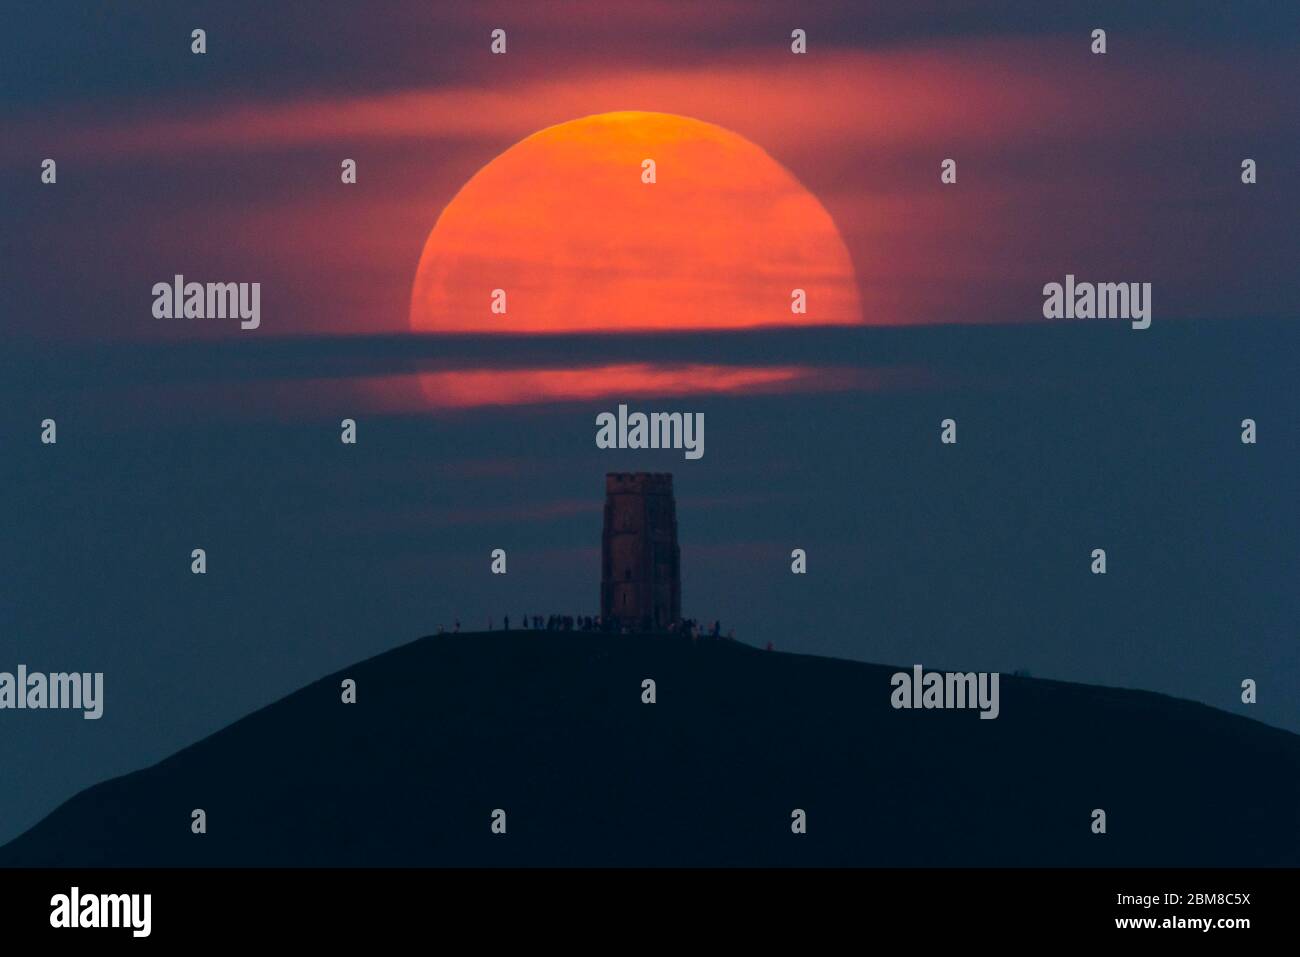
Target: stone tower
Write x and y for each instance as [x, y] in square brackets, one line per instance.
[640, 579]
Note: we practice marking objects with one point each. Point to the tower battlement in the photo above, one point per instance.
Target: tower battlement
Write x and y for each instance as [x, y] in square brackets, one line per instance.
[640, 580]
[639, 483]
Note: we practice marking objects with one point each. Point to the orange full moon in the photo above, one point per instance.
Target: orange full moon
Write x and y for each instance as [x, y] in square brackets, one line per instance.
[565, 225]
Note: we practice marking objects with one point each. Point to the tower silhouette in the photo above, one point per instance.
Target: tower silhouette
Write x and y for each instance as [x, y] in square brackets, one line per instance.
[640, 582]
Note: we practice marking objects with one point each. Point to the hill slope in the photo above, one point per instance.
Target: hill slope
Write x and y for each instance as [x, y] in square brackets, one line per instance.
[550, 727]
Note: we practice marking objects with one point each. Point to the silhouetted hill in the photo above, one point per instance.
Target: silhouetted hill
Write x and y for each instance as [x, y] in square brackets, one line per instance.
[550, 727]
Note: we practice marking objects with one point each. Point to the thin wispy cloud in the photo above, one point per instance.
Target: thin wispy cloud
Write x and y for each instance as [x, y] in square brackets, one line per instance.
[919, 96]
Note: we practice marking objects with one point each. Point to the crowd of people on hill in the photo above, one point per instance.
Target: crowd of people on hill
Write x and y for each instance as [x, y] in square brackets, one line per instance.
[694, 628]
[686, 626]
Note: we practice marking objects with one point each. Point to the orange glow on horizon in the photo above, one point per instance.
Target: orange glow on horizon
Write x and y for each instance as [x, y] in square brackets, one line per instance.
[471, 388]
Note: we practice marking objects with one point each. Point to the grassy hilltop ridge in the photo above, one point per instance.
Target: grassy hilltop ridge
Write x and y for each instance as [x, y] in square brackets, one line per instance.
[550, 728]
